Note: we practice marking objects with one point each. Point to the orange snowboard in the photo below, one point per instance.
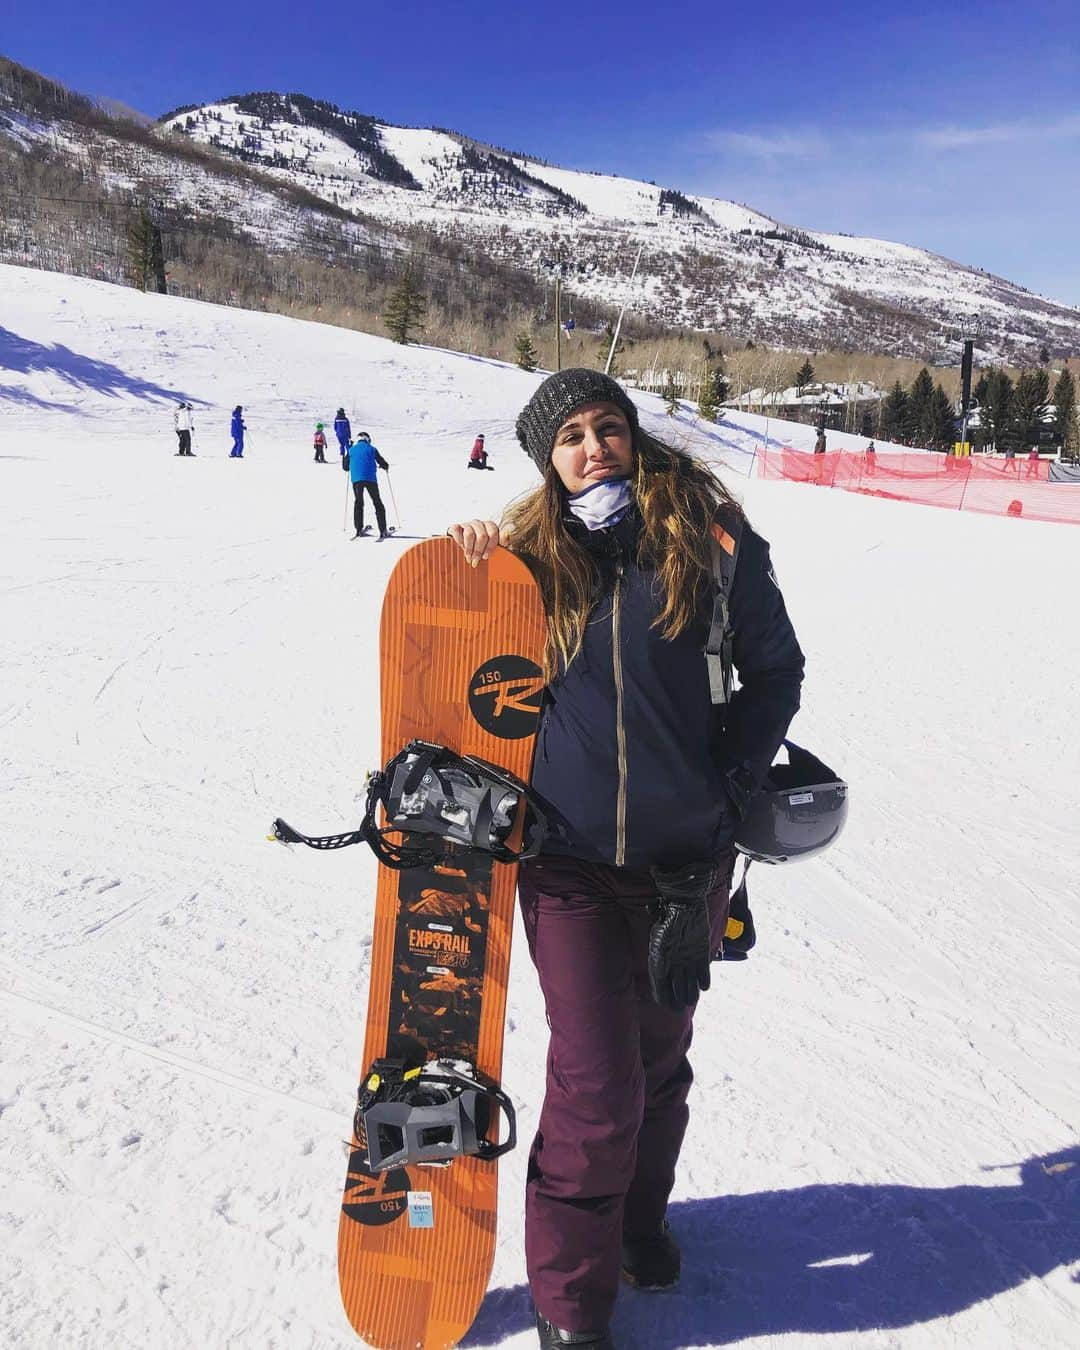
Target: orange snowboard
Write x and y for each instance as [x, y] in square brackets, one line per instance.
[460, 652]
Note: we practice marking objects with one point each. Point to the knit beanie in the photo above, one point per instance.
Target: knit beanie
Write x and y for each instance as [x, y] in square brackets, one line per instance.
[559, 396]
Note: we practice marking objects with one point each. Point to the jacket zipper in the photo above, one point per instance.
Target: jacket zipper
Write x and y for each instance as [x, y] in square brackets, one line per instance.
[620, 729]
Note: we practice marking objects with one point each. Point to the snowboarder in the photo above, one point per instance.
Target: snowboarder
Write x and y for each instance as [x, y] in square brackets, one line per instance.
[343, 432]
[236, 429]
[185, 425]
[320, 444]
[363, 458]
[478, 455]
[643, 779]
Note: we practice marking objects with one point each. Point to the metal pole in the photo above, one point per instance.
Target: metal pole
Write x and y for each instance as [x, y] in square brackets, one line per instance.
[397, 513]
[558, 321]
[618, 326]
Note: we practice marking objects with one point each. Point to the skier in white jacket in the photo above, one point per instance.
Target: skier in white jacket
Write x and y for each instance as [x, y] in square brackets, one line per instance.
[184, 422]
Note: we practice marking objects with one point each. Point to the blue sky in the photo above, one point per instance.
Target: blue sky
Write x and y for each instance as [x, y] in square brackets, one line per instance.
[953, 126]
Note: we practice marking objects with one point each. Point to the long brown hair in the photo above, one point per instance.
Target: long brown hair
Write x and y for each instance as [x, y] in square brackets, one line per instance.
[677, 497]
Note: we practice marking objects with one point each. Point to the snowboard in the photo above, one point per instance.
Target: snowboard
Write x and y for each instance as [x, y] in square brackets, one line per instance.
[460, 655]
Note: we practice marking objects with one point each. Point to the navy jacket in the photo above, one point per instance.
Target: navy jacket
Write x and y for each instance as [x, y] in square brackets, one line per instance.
[634, 761]
[343, 431]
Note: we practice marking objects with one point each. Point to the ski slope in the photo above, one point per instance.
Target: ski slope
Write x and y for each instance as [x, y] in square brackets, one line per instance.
[883, 1143]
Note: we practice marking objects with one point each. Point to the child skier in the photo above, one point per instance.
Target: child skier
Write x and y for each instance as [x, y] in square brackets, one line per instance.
[320, 444]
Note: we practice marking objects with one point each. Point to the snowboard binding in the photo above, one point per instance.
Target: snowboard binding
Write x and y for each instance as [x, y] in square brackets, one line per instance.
[428, 1114]
[452, 799]
[427, 789]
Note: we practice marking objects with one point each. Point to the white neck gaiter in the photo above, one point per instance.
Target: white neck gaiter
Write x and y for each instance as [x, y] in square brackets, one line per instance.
[603, 504]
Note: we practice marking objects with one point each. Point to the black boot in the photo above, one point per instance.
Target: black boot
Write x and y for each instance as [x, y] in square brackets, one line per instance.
[553, 1338]
[651, 1261]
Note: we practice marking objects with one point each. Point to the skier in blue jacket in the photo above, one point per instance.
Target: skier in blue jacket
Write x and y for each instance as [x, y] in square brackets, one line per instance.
[342, 431]
[237, 429]
[363, 458]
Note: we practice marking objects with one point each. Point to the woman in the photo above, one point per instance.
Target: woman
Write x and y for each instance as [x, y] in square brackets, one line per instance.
[643, 779]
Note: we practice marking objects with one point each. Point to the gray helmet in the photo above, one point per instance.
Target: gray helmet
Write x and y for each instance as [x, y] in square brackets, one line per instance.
[800, 811]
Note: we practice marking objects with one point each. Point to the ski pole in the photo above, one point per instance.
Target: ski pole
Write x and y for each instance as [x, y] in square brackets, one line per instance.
[345, 520]
[397, 513]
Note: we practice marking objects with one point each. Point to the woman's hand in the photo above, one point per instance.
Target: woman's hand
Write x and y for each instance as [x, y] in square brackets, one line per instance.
[478, 539]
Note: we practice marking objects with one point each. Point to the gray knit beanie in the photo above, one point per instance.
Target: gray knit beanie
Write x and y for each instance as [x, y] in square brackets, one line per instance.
[559, 396]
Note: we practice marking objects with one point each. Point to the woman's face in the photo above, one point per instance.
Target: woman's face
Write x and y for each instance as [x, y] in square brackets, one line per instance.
[594, 444]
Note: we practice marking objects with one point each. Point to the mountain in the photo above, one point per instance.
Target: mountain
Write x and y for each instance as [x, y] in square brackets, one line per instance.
[705, 262]
[284, 202]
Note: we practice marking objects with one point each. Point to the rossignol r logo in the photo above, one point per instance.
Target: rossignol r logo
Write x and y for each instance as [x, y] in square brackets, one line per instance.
[504, 696]
[374, 1198]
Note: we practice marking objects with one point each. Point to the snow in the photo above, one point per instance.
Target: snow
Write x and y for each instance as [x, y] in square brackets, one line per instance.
[886, 1091]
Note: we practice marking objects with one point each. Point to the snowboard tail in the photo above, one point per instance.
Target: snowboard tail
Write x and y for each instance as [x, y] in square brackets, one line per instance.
[461, 652]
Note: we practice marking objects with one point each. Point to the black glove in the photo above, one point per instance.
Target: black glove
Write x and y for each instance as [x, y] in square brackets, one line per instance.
[679, 943]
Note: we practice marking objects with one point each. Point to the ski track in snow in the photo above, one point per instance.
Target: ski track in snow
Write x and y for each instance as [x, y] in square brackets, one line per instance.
[882, 1149]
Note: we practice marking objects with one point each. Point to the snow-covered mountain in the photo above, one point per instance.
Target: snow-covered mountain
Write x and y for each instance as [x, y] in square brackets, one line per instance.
[706, 262]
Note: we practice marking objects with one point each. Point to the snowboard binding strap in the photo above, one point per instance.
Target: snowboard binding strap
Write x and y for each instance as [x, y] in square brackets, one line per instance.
[428, 1114]
[427, 789]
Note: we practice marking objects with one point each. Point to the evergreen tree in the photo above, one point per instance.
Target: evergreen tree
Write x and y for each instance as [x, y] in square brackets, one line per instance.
[894, 414]
[1065, 413]
[671, 397]
[146, 258]
[1044, 355]
[525, 352]
[1030, 398]
[405, 308]
[996, 411]
[804, 376]
[941, 423]
[920, 398]
[714, 390]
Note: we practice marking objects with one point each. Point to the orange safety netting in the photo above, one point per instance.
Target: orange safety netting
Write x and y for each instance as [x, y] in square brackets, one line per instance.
[1003, 487]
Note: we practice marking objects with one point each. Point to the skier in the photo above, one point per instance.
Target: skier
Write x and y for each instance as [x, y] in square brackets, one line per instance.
[363, 457]
[1033, 462]
[478, 455]
[643, 780]
[320, 444]
[236, 429]
[184, 424]
[342, 431]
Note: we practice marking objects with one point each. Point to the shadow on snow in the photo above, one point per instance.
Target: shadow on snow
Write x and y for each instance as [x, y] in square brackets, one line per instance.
[841, 1258]
[20, 354]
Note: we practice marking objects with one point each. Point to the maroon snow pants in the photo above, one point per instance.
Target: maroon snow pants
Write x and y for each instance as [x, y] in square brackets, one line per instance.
[614, 1113]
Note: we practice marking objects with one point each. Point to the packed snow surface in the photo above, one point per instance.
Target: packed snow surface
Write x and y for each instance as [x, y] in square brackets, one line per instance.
[882, 1150]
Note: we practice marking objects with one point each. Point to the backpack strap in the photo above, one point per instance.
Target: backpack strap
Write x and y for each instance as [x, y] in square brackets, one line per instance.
[725, 532]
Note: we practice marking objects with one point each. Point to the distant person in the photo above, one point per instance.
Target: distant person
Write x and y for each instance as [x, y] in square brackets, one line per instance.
[871, 458]
[363, 458]
[184, 424]
[320, 444]
[819, 444]
[1033, 462]
[1010, 452]
[237, 428]
[870, 449]
[478, 455]
[343, 432]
